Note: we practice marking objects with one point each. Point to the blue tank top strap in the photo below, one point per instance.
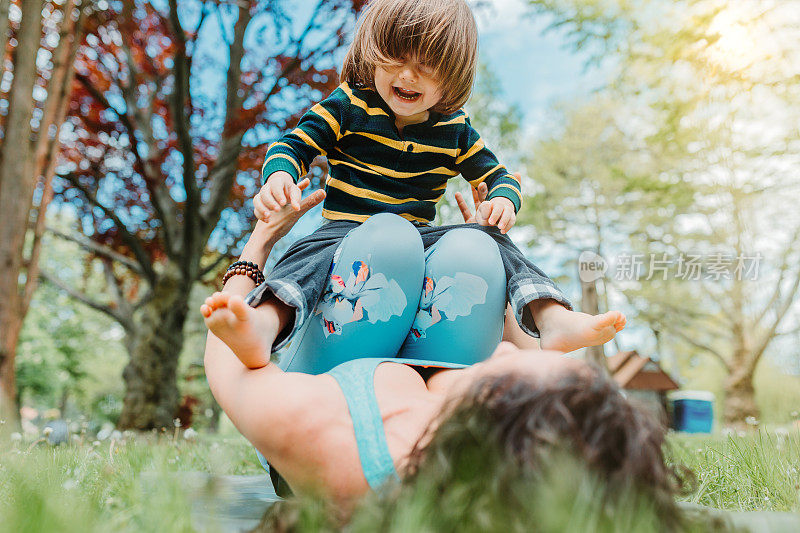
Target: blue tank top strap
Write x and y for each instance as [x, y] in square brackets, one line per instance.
[356, 378]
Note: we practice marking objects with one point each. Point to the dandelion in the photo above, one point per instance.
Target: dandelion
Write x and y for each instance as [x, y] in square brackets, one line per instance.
[751, 421]
[96, 443]
[16, 437]
[176, 422]
[69, 484]
[190, 434]
[47, 431]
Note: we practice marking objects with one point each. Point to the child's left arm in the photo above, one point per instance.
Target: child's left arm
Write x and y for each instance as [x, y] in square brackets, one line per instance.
[479, 165]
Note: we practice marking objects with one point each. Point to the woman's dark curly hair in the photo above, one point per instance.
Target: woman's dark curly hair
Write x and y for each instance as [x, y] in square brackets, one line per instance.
[508, 428]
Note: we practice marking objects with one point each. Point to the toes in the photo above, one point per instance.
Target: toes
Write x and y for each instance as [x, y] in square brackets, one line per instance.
[213, 300]
[205, 309]
[238, 307]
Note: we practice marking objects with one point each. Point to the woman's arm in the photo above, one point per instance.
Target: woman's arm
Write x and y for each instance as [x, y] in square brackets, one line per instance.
[226, 373]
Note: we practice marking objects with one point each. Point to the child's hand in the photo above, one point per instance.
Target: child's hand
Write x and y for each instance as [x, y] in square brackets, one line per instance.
[478, 196]
[498, 211]
[279, 188]
[279, 222]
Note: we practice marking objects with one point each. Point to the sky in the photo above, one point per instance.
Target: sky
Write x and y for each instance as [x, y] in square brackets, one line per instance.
[537, 67]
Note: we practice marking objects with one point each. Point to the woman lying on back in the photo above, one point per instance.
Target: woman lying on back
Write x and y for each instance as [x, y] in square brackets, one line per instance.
[366, 421]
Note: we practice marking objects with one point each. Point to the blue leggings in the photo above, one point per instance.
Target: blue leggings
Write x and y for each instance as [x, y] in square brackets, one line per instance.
[387, 297]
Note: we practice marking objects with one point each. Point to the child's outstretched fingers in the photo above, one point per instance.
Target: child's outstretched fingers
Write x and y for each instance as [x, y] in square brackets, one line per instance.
[497, 212]
[482, 213]
[266, 198]
[260, 210]
[507, 220]
[279, 194]
[293, 193]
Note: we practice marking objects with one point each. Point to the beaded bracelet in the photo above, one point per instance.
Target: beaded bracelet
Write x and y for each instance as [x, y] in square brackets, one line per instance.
[244, 268]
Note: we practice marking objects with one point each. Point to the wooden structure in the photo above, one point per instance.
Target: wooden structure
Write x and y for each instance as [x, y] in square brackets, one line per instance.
[643, 379]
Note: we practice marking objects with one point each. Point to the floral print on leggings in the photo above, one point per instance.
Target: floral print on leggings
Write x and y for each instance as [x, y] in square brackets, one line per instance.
[366, 295]
[447, 299]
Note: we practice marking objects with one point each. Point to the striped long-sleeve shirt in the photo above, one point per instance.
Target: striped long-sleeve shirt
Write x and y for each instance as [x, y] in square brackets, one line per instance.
[374, 168]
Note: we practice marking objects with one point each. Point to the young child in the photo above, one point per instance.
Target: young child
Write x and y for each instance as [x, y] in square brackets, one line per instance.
[393, 133]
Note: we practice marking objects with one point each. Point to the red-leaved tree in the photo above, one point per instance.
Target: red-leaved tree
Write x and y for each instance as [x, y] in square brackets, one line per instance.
[172, 111]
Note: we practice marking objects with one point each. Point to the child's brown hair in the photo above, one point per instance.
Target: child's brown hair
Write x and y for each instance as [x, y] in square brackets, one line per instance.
[440, 34]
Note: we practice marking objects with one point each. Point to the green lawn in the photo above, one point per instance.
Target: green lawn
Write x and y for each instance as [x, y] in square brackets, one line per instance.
[134, 484]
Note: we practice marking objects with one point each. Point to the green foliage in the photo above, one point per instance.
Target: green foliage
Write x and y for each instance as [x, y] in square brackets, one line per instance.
[68, 355]
[756, 472]
[71, 357]
[687, 149]
[139, 484]
[130, 485]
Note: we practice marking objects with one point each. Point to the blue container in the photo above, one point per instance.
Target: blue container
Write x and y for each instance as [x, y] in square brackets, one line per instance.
[692, 411]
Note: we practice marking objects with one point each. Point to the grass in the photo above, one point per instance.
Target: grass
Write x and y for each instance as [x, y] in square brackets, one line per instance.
[758, 472]
[105, 486]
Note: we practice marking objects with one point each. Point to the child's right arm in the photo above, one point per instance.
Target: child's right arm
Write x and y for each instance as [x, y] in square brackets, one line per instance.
[290, 157]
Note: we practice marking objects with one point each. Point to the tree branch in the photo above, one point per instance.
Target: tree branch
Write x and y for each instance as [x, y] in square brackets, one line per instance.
[124, 118]
[97, 248]
[83, 298]
[767, 336]
[127, 237]
[213, 264]
[223, 255]
[163, 204]
[58, 102]
[122, 304]
[783, 269]
[688, 339]
[223, 172]
[181, 104]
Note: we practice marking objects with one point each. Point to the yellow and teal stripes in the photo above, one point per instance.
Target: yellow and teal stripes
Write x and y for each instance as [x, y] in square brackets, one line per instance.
[374, 168]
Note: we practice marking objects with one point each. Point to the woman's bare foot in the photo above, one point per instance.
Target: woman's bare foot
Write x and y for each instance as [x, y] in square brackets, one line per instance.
[248, 332]
[564, 330]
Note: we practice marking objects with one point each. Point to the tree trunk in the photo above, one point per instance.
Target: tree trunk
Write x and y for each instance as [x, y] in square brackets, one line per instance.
[740, 400]
[216, 413]
[9, 409]
[590, 304]
[4, 29]
[16, 190]
[151, 390]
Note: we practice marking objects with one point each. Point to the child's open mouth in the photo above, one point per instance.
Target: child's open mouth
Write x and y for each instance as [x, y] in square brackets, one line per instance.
[408, 96]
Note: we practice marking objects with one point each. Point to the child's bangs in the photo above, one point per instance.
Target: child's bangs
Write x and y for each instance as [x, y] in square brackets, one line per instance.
[439, 34]
[435, 37]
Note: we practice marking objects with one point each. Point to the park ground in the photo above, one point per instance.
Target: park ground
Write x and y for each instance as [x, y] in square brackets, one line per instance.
[134, 482]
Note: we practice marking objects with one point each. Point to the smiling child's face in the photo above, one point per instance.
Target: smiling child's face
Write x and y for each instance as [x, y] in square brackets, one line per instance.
[409, 88]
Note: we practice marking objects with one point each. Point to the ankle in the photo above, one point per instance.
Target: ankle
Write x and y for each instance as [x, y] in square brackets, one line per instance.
[277, 317]
[545, 312]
